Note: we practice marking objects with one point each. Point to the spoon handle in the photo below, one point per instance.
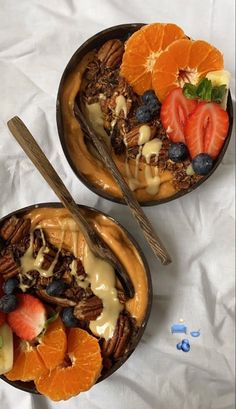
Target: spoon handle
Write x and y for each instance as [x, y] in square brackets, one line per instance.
[130, 198]
[36, 155]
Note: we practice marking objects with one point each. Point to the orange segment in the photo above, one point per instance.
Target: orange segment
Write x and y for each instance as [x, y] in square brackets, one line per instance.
[27, 363]
[184, 61]
[78, 373]
[30, 361]
[141, 51]
[54, 343]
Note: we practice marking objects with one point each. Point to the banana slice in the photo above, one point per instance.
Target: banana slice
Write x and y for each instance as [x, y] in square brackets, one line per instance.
[220, 77]
[6, 348]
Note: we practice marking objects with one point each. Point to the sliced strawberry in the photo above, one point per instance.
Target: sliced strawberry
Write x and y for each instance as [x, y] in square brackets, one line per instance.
[174, 113]
[28, 319]
[206, 129]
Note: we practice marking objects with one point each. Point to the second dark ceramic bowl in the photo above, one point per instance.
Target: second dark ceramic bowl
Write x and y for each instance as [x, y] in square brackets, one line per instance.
[29, 386]
[121, 32]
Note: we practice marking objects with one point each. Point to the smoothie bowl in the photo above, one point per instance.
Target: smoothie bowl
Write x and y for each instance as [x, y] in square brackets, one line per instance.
[160, 100]
[65, 321]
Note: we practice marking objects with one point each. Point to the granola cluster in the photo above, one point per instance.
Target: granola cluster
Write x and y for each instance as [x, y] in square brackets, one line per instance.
[16, 236]
[102, 83]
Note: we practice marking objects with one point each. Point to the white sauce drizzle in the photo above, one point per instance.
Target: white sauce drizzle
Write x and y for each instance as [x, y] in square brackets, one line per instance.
[150, 148]
[101, 275]
[95, 117]
[153, 181]
[144, 134]
[121, 106]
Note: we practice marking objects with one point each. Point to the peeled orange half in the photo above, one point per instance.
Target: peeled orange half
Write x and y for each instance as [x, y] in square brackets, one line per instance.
[142, 50]
[79, 371]
[184, 61]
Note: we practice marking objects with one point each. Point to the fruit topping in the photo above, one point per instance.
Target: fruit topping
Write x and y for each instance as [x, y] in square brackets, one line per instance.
[56, 287]
[205, 91]
[178, 152]
[142, 50]
[143, 114]
[10, 285]
[175, 111]
[184, 61]
[28, 319]
[151, 101]
[8, 303]
[34, 360]
[206, 129]
[79, 371]
[6, 348]
[68, 317]
[202, 164]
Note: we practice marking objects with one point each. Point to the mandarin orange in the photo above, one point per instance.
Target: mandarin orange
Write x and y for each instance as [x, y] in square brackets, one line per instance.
[31, 361]
[141, 51]
[80, 370]
[184, 61]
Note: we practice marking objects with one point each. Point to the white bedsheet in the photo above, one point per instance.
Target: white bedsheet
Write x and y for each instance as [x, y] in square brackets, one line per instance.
[37, 38]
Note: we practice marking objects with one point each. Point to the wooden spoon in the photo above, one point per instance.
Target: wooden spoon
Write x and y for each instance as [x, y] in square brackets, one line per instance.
[94, 241]
[130, 198]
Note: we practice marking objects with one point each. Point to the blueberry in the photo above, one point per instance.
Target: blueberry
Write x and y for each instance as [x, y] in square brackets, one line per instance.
[185, 347]
[68, 317]
[56, 287]
[143, 114]
[10, 285]
[178, 152]
[186, 341]
[151, 101]
[8, 303]
[179, 345]
[202, 164]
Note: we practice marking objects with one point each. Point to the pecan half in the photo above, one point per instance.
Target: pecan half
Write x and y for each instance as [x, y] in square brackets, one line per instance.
[63, 302]
[110, 53]
[134, 137]
[117, 345]
[89, 309]
[14, 229]
[8, 266]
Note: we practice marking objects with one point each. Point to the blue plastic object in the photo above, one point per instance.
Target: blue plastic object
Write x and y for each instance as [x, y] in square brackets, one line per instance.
[179, 346]
[178, 329]
[195, 334]
[185, 347]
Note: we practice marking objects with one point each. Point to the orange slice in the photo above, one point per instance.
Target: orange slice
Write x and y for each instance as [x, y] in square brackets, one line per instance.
[30, 361]
[184, 61]
[141, 51]
[79, 371]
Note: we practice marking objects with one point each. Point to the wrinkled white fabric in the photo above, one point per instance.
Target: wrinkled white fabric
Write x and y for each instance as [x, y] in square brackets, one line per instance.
[37, 38]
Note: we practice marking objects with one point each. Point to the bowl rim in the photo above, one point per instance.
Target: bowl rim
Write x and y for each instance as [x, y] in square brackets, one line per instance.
[84, 48]
[29, 386]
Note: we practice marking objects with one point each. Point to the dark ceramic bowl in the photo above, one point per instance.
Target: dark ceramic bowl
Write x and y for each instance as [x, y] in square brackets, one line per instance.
[29, 386]
[121, 32]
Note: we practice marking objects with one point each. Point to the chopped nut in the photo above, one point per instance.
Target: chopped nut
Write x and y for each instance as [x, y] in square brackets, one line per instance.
[117, 345]
[89, 309]
[132, 138]
[8, 266]
[63, 302]
[14, 229]
[110, 53]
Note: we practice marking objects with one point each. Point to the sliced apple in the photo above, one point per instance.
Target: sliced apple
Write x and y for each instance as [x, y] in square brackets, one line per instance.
[6, 348]
[220, 77]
